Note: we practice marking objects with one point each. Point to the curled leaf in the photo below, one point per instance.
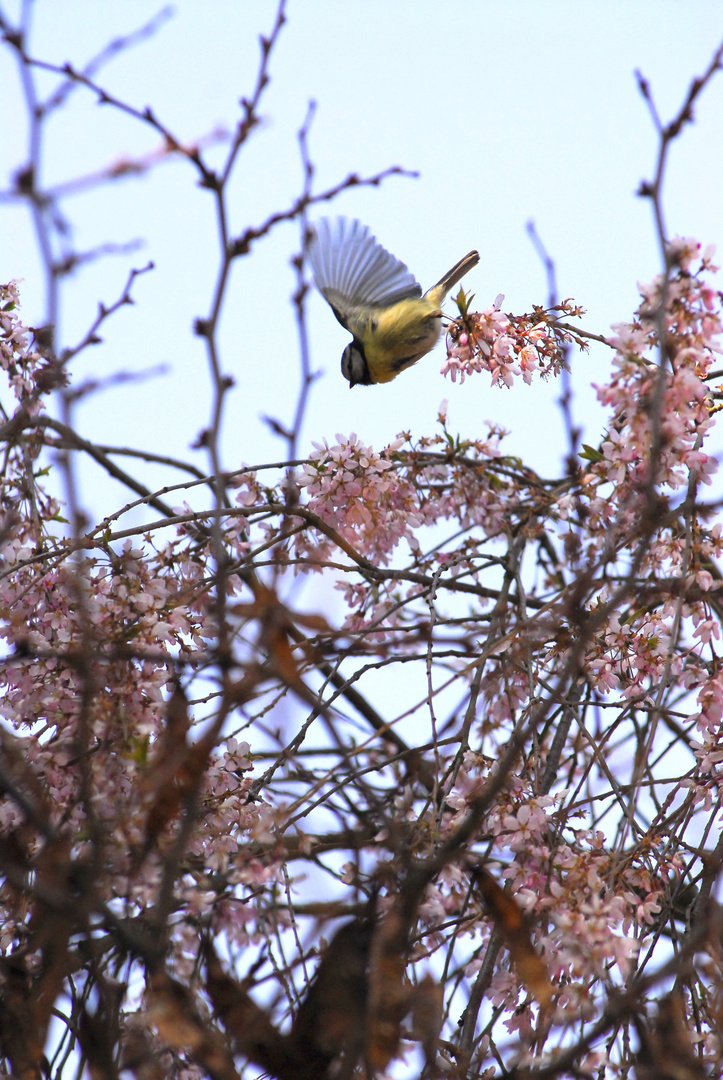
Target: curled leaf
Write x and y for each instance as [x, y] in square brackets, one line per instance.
[512, 924]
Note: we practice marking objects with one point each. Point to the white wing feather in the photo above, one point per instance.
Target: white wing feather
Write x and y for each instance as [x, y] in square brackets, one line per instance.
[352, 270]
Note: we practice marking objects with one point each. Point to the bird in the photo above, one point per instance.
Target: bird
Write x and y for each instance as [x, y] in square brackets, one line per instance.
[378, 300]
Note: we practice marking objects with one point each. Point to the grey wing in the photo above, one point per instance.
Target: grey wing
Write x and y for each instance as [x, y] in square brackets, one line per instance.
[352, 270]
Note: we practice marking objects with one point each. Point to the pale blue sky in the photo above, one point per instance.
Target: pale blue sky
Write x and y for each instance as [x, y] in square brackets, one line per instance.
[509, 111]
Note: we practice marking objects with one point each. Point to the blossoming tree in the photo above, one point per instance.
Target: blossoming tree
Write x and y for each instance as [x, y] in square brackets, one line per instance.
[221, 854]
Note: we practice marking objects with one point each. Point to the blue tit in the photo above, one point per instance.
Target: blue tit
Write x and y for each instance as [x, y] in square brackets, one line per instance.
[378, 300]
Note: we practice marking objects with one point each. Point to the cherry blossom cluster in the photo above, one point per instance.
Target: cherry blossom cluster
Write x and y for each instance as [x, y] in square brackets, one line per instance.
[361, 496]
[508, 346]
[91, 643]
[663, 406]
[651, 461]
[373, 500]
[18, 356]
[593, 912]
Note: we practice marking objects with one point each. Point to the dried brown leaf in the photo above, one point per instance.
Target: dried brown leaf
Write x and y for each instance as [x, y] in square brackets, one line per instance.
[174, 770]
[139, 1053]
[330, 1022]
[511, 922]
[277, 623]
[427, 1005]
[666, 1051]
[98, 1038]
[27, 999]
[21, 1039]
[388, 992]
[170, 1006]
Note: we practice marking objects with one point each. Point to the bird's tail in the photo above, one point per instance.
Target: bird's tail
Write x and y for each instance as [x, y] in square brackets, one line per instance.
[450, 279]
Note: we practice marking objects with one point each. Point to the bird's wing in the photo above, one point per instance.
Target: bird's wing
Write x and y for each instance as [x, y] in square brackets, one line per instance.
[352, 270]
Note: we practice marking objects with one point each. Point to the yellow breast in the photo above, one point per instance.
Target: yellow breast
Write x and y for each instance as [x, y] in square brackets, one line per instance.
[394, 338]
